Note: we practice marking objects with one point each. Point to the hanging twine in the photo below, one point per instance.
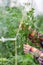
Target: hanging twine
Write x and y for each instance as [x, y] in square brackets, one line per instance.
[16, 41]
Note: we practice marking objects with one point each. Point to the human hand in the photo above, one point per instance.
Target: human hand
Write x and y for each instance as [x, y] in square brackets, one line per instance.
[26, 48]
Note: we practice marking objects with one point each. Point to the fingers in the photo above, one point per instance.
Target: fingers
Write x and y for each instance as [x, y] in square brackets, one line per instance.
[26, 48]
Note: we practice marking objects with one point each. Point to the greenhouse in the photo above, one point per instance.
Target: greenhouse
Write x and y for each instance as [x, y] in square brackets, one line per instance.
[21, 32]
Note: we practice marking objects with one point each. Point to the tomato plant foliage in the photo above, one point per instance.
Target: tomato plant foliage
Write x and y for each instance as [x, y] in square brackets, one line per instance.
[9, 22]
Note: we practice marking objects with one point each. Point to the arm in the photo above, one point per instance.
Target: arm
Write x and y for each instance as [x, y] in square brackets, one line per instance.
[28, 48]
